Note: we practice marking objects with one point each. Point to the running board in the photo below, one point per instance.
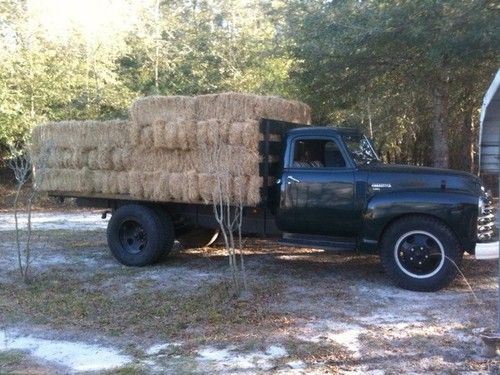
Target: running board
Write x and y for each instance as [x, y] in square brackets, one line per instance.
[318, 242]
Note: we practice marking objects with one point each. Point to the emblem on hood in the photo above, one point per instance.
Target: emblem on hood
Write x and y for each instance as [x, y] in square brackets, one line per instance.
[379, 186]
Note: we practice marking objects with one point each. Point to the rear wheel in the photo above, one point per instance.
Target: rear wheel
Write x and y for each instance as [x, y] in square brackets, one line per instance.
[137, 236]
[420, 253]
[168, 229]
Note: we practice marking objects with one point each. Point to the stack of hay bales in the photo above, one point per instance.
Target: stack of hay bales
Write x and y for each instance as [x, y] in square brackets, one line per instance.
[162, 152]
[85, 156]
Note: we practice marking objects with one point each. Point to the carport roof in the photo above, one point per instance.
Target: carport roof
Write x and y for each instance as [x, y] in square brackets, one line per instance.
[489, 135]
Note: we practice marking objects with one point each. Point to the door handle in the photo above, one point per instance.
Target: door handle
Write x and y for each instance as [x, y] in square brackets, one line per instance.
[292, 179]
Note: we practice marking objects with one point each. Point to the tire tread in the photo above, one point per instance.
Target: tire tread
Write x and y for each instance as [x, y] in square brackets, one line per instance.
[421, 285]
[155, 228]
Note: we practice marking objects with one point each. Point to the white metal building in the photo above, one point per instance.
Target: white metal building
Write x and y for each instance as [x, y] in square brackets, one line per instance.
[489, 138]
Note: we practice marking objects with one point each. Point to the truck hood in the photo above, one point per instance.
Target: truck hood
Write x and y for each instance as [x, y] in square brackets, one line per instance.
[394, 177]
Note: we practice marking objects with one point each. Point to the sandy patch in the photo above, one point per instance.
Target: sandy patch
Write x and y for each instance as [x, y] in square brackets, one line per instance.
[77, 356]
[81, 220]
[228, 359]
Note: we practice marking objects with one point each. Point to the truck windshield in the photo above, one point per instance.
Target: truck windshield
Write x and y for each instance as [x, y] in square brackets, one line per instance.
[360, 149]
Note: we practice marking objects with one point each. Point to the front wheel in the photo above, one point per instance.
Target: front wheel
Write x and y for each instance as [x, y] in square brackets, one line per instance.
[420, 253]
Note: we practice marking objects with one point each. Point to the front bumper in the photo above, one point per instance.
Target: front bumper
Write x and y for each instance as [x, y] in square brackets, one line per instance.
[487, 250]
[487, 233]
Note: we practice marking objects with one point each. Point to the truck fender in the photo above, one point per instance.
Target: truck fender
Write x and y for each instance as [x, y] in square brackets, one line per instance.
[457, 210]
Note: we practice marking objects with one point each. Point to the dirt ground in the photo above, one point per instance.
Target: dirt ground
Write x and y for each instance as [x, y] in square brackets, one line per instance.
[308, 311]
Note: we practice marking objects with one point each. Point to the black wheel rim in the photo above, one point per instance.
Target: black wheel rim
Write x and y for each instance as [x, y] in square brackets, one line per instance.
[419, 254]
[132, 236]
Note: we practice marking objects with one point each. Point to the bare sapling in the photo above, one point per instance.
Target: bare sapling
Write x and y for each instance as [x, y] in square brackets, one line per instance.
[228, 195]
[26, 170]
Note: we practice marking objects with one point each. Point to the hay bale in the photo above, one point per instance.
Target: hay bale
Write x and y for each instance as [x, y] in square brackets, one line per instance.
[85, 183]
[123, 183]
[217, 115]
[186, 135]
[193, 195]
[206, 186]
[149, 181]
[120, 158]
[154, 159]
[93, 159]
[80, 158]
[105, 158]
[52, 158]
[237, 134]
[135, 135]
[70, 179]
[239, 189]
[240, 161]
[253, 197]
[82, 134]
[147, 136]
[159, 128]
[190, 129]
[147, 110]
[236, 107]
[161, 190]
[65, 158]
[211, 185]
[100, 181]
[136, 186]
[176, 184]
[252, 134]
[111, 182]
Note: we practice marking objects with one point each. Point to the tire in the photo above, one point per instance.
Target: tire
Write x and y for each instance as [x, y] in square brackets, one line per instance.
[199, 237]
[420, 253]
[136, 235]
[168, 229]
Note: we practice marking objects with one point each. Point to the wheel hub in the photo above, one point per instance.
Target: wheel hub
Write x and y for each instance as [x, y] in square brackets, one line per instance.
[132, 236]
[419, 254]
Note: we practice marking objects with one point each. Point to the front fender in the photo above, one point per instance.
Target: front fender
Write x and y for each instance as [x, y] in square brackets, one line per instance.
[457, 210]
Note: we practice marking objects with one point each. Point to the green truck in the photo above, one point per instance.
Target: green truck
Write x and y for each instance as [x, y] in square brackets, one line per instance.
[329, 190]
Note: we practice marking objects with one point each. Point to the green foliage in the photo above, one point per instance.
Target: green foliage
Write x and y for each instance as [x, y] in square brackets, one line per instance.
[203, 47]
[373, 64]
[384, 59]
[176, 47]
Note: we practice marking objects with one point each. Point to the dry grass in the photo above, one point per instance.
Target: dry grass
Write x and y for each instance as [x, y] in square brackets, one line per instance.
[297, 294]
[64, 297]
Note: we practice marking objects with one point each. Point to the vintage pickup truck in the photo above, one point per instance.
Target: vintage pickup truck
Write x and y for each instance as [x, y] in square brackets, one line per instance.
[329, 190]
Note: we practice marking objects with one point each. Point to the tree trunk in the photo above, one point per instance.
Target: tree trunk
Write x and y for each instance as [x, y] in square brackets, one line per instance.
[370, 124]
[467, 149]
[157, 46]
[439, 132]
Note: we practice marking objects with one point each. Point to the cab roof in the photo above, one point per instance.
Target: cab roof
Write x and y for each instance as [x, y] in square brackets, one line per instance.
[323, 131]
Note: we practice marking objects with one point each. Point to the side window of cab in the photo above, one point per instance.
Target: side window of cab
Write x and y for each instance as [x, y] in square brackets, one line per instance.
[317, 153]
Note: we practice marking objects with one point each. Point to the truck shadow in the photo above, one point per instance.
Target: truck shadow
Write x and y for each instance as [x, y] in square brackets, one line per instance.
[267, 258]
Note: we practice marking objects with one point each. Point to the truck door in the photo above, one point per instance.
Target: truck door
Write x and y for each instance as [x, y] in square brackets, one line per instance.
[317, 189]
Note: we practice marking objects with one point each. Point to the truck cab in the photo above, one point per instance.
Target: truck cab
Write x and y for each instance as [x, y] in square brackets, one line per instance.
[334, 192]
[319, 192]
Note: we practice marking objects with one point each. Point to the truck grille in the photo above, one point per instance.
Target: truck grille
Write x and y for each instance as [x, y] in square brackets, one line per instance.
[486, 228]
